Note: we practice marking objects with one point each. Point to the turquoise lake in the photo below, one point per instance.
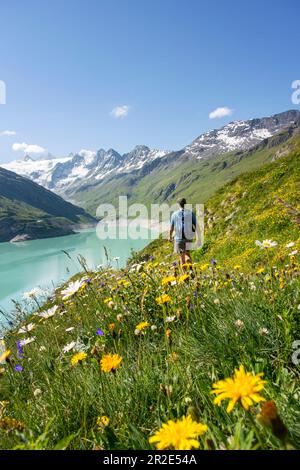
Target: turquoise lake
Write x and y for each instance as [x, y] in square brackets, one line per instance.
[43, 263]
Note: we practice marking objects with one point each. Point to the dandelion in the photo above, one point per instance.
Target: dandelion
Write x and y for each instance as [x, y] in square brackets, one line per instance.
[4, 356]
[141, 326]
[181, 434]
[111, 326]
[183, 278]
[168, 280]
[103, 421]
[69, 347]
[243, 387]
[168, 333]
[269, 417]
[71, 290]
[265, 244]
[26, 328]
[78, 357]
[260, 271]
[163, 299]
[110, 362]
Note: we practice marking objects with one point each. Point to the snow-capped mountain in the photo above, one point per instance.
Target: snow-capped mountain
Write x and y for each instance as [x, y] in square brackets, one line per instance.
[240, 135]
[87, 168]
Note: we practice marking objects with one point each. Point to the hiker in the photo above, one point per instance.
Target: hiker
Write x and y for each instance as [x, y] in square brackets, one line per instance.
[184, 224]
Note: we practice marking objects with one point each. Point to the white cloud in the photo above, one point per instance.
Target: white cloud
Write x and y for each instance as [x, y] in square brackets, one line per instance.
[220, 113]
[28, 148]
[120, 112]
[8, 133]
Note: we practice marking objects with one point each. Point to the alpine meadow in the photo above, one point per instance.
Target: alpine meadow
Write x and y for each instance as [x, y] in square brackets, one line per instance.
[149, 232]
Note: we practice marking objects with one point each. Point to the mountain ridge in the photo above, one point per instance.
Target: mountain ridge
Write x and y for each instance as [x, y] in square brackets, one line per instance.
[30, 211]
[86, 168]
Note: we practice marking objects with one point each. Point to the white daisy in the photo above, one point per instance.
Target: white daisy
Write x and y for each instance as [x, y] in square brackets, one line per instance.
[26, 341]
[72, 288]
[293, 253]
[49, 313]
[170, 319]
[290, 245]
[69, 347]
[266, 244]
[32, 294]
[26, 328]
[70, 329]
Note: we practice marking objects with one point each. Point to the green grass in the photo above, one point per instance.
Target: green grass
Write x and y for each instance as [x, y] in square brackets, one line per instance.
[224, 316]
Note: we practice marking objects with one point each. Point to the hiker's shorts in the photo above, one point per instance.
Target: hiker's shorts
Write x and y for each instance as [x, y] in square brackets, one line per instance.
[182, 246]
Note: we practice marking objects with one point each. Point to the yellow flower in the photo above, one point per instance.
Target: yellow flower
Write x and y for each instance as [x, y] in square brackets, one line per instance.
[110, 362]
[179, 435]
[111, 326]
[163, 299]
[183, 278]
[243, 386]
[102, 421]
[141, 326]
[260, 270]
[168, 280]
[79, 357]
[237, 266]
[106, 301]
[4, 356]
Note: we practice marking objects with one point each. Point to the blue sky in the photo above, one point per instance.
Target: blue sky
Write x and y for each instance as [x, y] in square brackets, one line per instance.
[162, 66]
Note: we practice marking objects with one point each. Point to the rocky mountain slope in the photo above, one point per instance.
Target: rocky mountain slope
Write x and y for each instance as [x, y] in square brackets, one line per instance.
[77, 175]
[30, 211]
[181, 173]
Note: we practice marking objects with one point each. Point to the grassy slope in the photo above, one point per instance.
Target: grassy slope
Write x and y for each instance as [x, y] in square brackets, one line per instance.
[197, 180]
[26, 207]
[247, 209]
[222, 318]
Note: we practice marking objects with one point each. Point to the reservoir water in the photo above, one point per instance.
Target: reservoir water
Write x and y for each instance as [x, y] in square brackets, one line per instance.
[47, 263]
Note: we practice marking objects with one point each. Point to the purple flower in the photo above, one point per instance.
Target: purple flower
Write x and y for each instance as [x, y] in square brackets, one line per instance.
[99, 332]
[151, 258]
[88, 281]
[174, 263]
[18, 368]
[20, 350]
[213, 262]
[195, 294]
[102, 284]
